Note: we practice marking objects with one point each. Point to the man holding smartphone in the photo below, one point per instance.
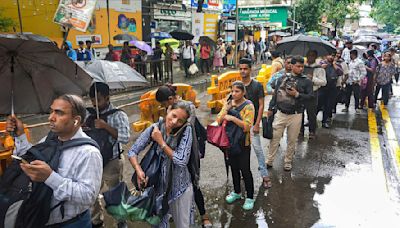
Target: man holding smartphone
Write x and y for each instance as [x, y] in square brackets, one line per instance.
[77, 180]
[291, 94]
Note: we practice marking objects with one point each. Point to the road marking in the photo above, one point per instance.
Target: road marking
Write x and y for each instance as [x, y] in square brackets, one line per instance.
[376, 153]
[391, 135]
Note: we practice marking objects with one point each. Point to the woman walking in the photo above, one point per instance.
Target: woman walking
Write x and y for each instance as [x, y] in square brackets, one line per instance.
[174, 152]
[240, 112]
[385, 71]
[218, 55]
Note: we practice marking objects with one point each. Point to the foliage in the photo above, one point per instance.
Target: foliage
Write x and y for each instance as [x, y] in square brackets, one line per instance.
[5, 23]
[387, 12]
[309, 12]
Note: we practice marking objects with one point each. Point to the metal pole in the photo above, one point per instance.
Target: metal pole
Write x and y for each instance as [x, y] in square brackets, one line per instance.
[108, 21]
[20, 18]
[294, 19]
[237, 33]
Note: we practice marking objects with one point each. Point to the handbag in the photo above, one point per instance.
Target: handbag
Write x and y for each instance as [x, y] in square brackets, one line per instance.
[267, 126]
[148, 205]
[193, 69]
[216, 135]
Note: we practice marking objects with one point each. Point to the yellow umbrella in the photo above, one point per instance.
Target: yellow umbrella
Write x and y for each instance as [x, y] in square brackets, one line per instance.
[171, 41]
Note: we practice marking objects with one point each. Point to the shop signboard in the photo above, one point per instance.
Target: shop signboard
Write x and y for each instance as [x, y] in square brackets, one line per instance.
[228, 6]
[170, 14]
[197, 26]
[267, 14]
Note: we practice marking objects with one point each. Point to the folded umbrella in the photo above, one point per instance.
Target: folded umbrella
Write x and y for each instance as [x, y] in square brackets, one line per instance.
[301, 44]
[117, 75]
[142, 46]
[180, 34]
[34, 72]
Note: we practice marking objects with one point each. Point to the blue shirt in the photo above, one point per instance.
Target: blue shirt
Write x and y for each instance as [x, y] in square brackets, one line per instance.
[273, 79]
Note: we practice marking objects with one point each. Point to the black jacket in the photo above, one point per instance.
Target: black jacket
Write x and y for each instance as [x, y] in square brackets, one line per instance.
[305, 88]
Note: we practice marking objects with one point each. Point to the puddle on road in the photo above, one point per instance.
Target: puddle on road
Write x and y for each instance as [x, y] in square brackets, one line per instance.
[364, 204]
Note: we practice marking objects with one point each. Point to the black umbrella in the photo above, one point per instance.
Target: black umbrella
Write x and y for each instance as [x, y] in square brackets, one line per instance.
[301, 44]
[180, 34]
[126, 37]
[34, 72]
[207, 40]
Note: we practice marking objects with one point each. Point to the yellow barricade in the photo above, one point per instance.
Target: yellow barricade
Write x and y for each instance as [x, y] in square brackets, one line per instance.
[151, 110]
[220, 88]
[264, 75]
[7, 146]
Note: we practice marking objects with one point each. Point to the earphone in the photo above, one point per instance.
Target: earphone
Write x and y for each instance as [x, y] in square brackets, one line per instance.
[76, 122]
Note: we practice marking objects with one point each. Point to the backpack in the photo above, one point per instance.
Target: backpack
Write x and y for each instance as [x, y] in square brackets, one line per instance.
[235, 134]
[24, 203]
[284, 101]
[101, 136]
[201, 136]
[228, 50]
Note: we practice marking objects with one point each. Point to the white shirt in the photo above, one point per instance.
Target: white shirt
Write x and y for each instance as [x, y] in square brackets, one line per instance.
[346, 55]
[77, 181]
[250, 48]
[187, 53]
[243, 46]
[357, 70]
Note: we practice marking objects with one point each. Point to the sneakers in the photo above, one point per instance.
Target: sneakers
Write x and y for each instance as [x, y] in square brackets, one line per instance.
[232, 197]
[248, 204]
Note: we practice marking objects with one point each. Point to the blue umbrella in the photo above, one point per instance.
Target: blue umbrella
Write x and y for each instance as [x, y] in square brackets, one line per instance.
[160, 35]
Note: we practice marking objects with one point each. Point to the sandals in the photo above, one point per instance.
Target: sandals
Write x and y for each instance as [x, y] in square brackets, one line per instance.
[267, 183]
[206, 221]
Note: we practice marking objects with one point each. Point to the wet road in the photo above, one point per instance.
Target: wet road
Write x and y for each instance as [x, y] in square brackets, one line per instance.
[347, 177]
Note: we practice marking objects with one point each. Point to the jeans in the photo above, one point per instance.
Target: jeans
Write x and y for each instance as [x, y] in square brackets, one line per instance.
[240, 164]
[186, 65]
[311, 108]
[353, 88]
[207, 62]
[157, 70]
[385, 92]
[82, 222]
[326, 102]
[256, 143]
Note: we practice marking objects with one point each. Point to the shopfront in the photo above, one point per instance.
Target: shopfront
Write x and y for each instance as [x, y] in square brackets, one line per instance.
[171, 17]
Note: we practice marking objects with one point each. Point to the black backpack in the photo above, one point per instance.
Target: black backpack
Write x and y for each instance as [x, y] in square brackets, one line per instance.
[101, 136]
[201, 135]
[235, 134]
[24, 203]
[331, 76]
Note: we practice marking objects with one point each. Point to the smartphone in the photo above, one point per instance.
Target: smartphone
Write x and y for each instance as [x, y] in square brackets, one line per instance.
[20, 159]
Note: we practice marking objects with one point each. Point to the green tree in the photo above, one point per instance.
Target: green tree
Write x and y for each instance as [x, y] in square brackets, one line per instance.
[5, 23]
[309, 12]
[387, 12]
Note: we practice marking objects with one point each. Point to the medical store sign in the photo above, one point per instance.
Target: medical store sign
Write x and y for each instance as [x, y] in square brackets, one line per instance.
[271, 14]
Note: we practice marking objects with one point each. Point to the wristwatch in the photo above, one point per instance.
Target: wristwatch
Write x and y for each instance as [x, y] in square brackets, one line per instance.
[163, 146]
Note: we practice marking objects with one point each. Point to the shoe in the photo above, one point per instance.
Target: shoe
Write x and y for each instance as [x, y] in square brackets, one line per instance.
[232, 197]
[248, 204]
[287, 167]
[267, 182]
[311, 135]
[345, 110]
[206, 221]
[326, 125]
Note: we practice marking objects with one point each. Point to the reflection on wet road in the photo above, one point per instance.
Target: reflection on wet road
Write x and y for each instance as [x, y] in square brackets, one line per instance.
[346, 177]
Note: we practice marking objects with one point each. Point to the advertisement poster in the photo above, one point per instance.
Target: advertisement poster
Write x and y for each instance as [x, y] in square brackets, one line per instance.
[205, 3]
[75, 13]
[211, 25]
[197, 26]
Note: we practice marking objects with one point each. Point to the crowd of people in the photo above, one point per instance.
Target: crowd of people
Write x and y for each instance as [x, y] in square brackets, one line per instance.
[299, 85]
